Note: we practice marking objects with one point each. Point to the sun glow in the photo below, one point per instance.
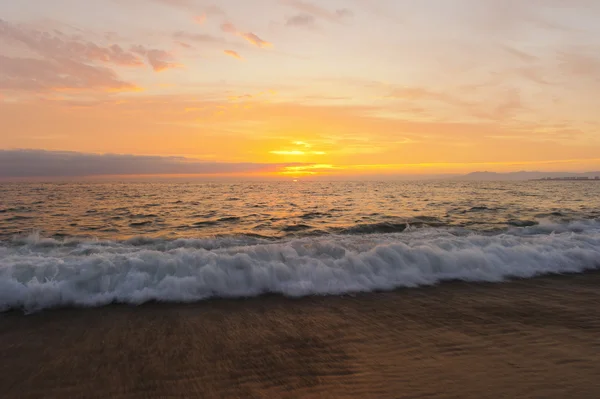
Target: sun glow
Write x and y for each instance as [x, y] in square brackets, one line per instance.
[306, 169]
[295, 152]
[298, 152]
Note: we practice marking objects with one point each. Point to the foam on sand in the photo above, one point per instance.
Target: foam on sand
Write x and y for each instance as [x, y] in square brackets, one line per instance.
[37, 273]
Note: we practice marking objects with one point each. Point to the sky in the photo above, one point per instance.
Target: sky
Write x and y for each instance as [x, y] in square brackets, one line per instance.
[298, 87]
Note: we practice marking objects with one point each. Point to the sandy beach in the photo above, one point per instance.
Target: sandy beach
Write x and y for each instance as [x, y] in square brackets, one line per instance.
[535, 338]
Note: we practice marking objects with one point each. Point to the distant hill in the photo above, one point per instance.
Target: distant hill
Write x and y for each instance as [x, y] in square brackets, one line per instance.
[522, 175]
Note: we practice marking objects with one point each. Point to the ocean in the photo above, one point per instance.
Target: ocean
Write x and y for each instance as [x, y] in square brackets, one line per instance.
[93, 244]
[300, 290]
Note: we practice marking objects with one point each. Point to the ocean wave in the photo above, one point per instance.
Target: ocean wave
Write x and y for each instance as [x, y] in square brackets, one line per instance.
[374, 228]
[38, 273]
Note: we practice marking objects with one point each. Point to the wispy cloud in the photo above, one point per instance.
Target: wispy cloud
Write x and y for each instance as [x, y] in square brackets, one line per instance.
[233, 54]
[307, 8]
[229, 28]
[249, 36]
[200, 19]
[214, 10]
[504, 104]
[301, 148]
[302, 20]
[240, 97]
[254, 39]
[184, 44]
[302, 143]
[177, 3]
[160, 60]
[200, 11]
[200, 38]
[579, 62]
[520, 54]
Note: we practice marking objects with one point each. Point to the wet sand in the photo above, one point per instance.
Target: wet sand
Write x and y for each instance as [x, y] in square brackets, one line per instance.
[536, 338]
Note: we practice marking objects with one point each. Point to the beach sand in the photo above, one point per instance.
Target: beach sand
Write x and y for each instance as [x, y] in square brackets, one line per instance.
[537, 338]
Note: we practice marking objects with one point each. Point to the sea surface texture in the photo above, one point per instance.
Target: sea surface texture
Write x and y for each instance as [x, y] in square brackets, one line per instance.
[98, 243]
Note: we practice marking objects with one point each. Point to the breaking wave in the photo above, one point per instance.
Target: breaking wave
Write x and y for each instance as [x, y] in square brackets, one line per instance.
[38, 273]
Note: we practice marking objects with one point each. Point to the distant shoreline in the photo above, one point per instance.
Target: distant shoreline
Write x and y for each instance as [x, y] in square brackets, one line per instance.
[567, 179]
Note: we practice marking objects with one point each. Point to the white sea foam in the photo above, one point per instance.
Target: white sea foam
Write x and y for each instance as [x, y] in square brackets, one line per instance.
[38, 273]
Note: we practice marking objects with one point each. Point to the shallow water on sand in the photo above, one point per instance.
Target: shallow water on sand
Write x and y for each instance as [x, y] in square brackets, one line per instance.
[534, 338]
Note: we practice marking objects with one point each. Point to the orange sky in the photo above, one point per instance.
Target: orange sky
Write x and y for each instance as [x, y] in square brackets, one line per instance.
[345, 87]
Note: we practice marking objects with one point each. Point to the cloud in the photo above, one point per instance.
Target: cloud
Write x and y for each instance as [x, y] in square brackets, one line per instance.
[177, 3]
[503, 105]
[579, 62]
[242, 97]
[288, 152]
[302, 144]
[516, 18]
[193, 7]
[305, 150]
[200, 19]
[203, 38]
[412, 93]
[40, 163]
[344, 12]
[533, 74]
[507, 105]
[233, 54]
[32, 74]
[257, 41]
[297, 152]
[184, 44]
[523, 56]
[301, 20]
[249, 36]
[214, 10]
[57, 45]
[229, 28]
[319, 12]
[61, 61]
[160, 60]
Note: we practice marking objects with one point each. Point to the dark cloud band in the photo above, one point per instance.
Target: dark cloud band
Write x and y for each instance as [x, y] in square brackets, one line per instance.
[39, 163]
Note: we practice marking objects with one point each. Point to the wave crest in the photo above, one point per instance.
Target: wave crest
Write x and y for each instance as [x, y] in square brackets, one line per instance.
[38, 273]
